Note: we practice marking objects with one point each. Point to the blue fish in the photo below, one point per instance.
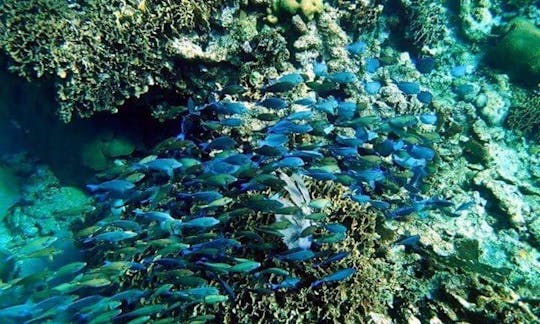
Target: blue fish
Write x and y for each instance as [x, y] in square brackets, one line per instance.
[369, 175]
[429, 119]
[288, 127]
[296, 256]
[307, 154]
[408, 87]
[301, 115]
[118, 187]
[279, 86]
[333, 258]
[343, 77]
[346, 110]
[335, 228]
[424, 97]
[343, 151]
[372, 64]
[274, 103]
[349, 141]
[356, 48]
[408, 162]
[220, 143]
[339, 275]
[308, 102]
[410, 241]
[327, 106]
[202, 196]
[425, 65]
[295, 78]
[320, 69]
[401, 212]
[230, 108]
[287, 283]
[274, 140]
[322, 175]
[372, 87]
[201, 222]
[238, 159]
[231, 122]
[458, 71]
[421, 152]
[167, 166]
[388, 146]
[289, 162]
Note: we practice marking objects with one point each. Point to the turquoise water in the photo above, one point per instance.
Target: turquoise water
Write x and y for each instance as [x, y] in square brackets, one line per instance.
[269, 161]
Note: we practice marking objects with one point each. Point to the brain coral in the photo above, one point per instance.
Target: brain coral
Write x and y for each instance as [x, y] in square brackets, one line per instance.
[308, 8]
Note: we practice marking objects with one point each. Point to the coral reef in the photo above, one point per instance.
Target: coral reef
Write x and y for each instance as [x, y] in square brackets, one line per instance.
[101, 53]
[426, 23]
[524, 114]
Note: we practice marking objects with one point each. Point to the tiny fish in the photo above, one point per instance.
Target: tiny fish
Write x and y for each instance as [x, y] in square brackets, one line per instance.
[339, 275]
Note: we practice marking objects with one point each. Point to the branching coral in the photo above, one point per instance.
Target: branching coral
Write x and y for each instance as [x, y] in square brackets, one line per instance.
[426, 22]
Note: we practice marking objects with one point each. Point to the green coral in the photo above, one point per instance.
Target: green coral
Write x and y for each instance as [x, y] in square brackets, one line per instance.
[309, 8]
[518, 51]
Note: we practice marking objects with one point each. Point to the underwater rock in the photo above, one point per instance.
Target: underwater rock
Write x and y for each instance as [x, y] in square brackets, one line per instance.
[507, 198]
